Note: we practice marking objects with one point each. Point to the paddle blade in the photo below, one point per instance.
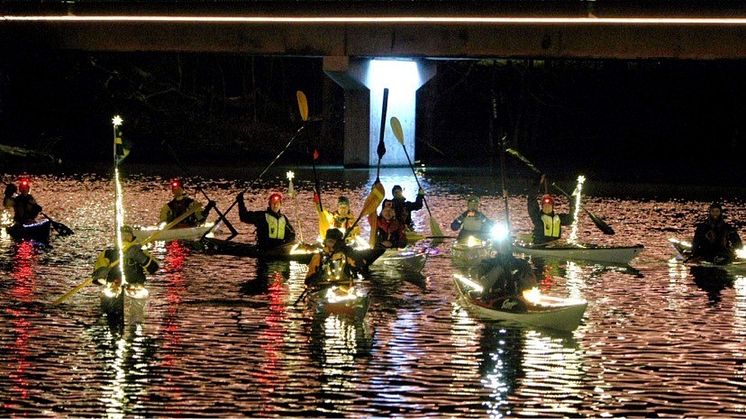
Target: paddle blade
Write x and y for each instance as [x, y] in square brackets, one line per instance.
[381, 150]
[62, 229]
[601, 224]
[302, 105]
[396, 127]
[374, 199]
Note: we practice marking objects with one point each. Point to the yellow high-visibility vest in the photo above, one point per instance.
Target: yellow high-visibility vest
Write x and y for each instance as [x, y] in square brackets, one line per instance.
[551, 225]
[276, 226]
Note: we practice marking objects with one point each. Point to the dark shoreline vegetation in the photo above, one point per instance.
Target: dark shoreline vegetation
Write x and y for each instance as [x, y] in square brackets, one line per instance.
[657, 122]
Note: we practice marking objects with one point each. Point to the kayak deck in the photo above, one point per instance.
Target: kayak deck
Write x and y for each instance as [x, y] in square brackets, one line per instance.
[621, 255]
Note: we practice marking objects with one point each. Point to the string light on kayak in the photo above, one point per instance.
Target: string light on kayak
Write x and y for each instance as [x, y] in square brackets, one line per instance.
[741, 253]
[117, 120]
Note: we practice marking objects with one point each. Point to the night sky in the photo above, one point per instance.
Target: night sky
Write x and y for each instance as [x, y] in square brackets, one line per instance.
[651, 121]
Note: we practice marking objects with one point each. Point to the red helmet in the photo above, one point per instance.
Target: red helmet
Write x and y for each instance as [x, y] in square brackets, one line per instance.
[24, 184]
[176, 184]
[275, 197]
[547, 199]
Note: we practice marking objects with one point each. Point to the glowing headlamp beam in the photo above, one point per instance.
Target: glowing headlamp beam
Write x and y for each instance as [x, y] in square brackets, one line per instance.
[507, 20]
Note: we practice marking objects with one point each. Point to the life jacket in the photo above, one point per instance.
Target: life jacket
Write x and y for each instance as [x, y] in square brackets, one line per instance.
[180, 206]
[344, 222]
[472, 223]
[552, 225]
[334, 267]
[276, 226]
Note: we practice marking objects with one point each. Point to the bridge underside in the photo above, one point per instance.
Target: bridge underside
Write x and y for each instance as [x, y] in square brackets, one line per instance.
[344, 31]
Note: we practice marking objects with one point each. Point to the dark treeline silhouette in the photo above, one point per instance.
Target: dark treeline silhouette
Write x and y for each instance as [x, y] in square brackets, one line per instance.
[674, 121]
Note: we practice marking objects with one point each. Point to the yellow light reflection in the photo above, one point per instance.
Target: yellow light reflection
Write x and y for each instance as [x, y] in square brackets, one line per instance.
[507, 20]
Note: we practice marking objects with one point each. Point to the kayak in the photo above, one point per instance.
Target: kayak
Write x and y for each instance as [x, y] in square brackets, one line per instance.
[183, 233]
[413, 236]
[684, 252]
[124, 307]
[38, 232]
[406, 259]
[470, 252]
[341, 300]
[621, 255]
[294, 251]
[542, 310]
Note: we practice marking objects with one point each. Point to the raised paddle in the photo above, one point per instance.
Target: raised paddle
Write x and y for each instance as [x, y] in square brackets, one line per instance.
[303, 110]
[60, 228]
[148, 239]
[221, 216]
[601, 224]
[372, 202]
[399, 134]
[381, 149]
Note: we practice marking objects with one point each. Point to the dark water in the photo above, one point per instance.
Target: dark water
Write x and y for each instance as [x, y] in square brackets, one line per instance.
[222, 336]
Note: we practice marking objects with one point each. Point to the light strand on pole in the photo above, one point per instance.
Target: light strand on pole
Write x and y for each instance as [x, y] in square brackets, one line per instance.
[578, 192]
[118, 195]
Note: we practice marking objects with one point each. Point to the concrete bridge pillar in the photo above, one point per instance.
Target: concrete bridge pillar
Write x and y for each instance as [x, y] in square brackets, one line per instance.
[363, 80]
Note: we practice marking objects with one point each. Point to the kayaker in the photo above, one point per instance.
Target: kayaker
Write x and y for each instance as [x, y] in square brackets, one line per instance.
[342, 218]
[9, 196]
[136, 262]
[25, 208]
[547, 223]
[389, 230]
[715, 240]
[505, 278]
[404, 208]
[273, 228]
[181, 204]
[472, 222]
[334, 264]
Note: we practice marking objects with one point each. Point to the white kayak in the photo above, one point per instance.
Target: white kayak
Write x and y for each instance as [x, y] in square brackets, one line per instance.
[470, 252]
[684, 250]
[542, 310]
[182, 233]
[409, 260]
[621, 255]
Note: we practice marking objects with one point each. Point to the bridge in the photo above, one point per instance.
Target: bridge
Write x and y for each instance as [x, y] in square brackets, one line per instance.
[368, 46]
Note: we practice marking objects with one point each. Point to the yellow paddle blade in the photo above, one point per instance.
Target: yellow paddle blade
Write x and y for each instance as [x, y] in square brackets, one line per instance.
[396, 127]
[302, 105]
[324, 223]
[435, 228]
[373, 200]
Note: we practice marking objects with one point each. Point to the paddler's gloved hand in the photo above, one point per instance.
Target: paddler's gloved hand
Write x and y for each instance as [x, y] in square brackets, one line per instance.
[210, 205]
[316, 198]
[421, 192]
[239, 197]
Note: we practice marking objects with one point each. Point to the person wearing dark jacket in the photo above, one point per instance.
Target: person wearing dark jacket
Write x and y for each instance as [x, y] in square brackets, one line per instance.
[389, 231]
[505, 278]
[25, 208]
[273, 228]
[180, 204]
[136, 262]
[472, 222]
[403, 208]
[715, 240]
[547, 223]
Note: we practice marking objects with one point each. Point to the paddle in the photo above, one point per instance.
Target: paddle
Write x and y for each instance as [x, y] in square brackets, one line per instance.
[303, 109]
[399, 134]
[381, 149]
[323, 220]
[148, 239]
[601, 224]
[221, 216]
[60, 228]
[502, 181]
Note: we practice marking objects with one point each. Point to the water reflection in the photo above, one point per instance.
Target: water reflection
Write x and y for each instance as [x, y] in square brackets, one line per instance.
[712, 281]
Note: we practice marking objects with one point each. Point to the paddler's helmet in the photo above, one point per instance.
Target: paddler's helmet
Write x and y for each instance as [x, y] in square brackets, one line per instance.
[24, 184]
[336, 235]
[472, 203]
[343, 200]
[175, 184]
[275, 197]
[547, 199]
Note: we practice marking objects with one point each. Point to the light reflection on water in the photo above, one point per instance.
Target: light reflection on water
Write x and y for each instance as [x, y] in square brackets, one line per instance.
[222, 336]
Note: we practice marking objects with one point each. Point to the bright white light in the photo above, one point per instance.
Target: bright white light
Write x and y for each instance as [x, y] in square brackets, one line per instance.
[117, 120]
[499, 232]
[472, 241]
[394, 74]
[290, 175]
[741, 253]
[119, 220]
[577, 193]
